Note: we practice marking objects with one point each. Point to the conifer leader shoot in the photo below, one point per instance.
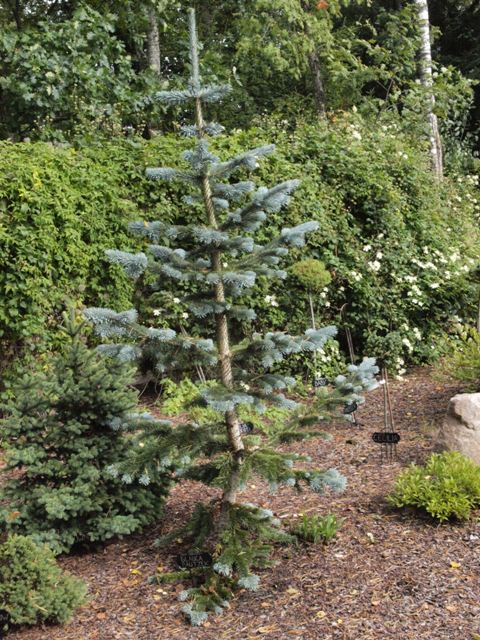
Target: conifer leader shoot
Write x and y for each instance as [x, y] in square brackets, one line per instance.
[224, 261]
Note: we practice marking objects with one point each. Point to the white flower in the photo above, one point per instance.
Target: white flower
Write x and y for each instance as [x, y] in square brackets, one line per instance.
[417, 333]
[141, 444]
[434, 285]
[271, 300]
[408, 344]
[245, 386]
[356, 276]
[327, 303]
[323, 294]
[176, 300]
[380, 236]
[184, 315]
[156, 312]
[357, 135]
[375, 265]
[367, 247]
[379, 255]
[224, 265]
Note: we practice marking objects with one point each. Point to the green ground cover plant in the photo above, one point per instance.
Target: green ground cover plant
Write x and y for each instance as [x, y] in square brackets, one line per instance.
[315, 528]
[446, 487]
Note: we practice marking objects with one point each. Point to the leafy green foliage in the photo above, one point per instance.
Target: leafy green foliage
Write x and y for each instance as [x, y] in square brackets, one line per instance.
[65, 79]
[62, 208]
[446, 487]
[33, 588]
[62, 430]
[317, 528]
[463, 361]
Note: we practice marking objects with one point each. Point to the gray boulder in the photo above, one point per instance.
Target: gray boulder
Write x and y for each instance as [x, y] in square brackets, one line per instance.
[460, 430]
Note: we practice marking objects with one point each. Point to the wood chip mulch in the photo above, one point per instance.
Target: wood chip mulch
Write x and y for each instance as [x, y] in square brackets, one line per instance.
[387, 575]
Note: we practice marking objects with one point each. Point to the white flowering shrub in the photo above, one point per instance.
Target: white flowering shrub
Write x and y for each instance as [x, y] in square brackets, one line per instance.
[401, 249]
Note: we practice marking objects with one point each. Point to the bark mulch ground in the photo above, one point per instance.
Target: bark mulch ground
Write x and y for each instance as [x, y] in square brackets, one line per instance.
[387, 575]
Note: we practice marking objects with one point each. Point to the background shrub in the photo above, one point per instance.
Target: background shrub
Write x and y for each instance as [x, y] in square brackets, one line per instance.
[33, 588]
[448, 486]
[400, 247]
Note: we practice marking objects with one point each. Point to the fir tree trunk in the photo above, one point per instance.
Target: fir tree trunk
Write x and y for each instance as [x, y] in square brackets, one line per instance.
[318, 88]
[153, 42]
[223, 340]
[426, 78]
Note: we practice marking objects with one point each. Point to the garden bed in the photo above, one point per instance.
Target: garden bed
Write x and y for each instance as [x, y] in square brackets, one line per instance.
[387, 574]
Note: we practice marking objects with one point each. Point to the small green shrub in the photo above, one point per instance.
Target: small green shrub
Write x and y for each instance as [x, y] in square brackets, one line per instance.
[448, 486]
[317, 528]
[312, 274]
[33, 588]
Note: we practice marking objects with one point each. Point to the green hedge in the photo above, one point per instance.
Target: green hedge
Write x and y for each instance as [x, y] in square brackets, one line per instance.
[368, 186]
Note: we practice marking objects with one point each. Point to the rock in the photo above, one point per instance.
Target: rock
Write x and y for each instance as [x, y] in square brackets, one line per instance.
[460, 430]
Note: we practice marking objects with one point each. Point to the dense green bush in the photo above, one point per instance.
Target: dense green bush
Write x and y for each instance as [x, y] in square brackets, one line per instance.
[387, 233]
[64, 428]
[448, 486]
[60, 208]
[33, 588]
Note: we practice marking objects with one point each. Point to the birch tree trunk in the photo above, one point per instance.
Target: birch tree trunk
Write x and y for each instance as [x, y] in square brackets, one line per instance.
[426, 79]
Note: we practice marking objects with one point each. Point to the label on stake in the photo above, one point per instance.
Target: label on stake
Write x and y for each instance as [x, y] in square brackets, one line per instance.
[350, 408]
[386, 437]
[246, 428]
[193, 559]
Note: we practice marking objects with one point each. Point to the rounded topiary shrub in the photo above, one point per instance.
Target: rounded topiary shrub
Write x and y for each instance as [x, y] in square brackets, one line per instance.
[64, 429]
[447, 486]
[33, 588]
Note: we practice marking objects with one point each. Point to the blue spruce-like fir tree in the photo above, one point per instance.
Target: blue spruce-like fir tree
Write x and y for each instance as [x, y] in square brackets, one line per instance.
[220, 454]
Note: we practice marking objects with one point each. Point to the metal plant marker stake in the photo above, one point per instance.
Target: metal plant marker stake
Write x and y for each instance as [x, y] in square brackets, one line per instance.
[351, 352]
[389, 445]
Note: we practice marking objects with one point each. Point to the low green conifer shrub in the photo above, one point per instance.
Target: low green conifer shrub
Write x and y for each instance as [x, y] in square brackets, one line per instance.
[33, 588]
[64, 434]
[446, 487]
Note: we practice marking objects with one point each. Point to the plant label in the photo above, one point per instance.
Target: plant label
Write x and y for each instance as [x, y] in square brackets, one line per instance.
[386, 437]
[192, 560]
[246, 427]
[350, 408]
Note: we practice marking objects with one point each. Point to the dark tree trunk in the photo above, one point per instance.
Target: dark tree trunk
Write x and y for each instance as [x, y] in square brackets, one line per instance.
[318, 88]
[153, 42]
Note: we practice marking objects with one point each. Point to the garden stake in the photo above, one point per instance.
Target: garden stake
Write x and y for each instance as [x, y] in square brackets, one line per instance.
[351, 352]
[389, 447]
